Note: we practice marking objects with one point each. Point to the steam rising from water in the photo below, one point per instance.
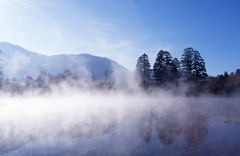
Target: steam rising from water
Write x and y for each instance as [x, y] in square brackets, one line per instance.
[73, 114]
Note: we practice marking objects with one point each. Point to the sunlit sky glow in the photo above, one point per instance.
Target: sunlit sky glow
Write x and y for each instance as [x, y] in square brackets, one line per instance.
[122, 30]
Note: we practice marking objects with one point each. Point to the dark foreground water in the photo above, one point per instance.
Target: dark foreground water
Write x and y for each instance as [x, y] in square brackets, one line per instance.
[191, 126]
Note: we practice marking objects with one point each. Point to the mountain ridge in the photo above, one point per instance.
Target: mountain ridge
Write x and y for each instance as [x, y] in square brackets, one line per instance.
[20, 62]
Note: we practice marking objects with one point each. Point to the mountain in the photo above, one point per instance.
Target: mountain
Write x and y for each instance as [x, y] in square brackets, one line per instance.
[19, 62]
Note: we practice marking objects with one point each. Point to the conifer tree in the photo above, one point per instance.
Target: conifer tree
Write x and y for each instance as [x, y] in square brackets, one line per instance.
[237, 72]
[163, 67]
[232, 74]
[192, 65]
[159, 67]
[143, 68]
[187, 63]
[176, 69]
[226, 74]
[199, 70]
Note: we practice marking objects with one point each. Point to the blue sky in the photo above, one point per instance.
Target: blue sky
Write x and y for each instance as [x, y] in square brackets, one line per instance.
[123, 30]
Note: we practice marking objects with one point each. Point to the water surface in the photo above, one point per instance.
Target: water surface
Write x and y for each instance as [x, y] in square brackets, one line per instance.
[110, 126]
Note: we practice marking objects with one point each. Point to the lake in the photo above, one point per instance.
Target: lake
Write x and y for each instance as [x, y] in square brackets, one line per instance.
[119, 125]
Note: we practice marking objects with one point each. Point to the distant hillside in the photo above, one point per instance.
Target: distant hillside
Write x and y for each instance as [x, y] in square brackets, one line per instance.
[19, 62]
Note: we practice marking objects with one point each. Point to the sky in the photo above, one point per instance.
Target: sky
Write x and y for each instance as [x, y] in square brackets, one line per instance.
[123, 30]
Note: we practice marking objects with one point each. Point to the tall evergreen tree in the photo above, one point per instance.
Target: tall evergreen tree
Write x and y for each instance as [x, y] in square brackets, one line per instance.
[226, 74]
[187, 63]
[159, 67]
[143, 68]
[192, 65]
[237, 72]
[199, 70]
[232, 74]
[163, 67]
[176, 68]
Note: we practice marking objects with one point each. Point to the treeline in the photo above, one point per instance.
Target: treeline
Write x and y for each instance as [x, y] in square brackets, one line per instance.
[225, 83]
[44, 83]
[190, 71]
[189, 75]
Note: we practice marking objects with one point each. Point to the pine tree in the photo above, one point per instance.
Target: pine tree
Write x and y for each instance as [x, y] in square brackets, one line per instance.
[238, 72]
[159, 67]
[143, 68]
[199, 70]
[163, 68]
[192, 65]
[187, 63]
[226, 74]
[176, 68]
[232, 74]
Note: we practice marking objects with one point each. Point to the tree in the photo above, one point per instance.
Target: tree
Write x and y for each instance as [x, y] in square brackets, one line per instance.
[1, 78]
[67, 75]
[164, 69]
[93, 77]
[143, 68]
[187, 63]
[232, 74]
[105, 75]
[193, 65]
[176, 69]
[29, 81]
[199, 70]
[238, 72]
[0, 58]
[226, 74]
[159, 67]
[1, 74]
[43, 80]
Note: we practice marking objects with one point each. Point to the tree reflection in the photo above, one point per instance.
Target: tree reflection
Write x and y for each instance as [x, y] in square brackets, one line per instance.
[167, 127]
[170, 123]
[144, 124]
[196, 128]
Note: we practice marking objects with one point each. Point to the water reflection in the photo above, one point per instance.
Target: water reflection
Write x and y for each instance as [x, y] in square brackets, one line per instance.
[167, 126]
[171, 123]
[17, 133]
[185, 125]
[144, 123]
[196, 128]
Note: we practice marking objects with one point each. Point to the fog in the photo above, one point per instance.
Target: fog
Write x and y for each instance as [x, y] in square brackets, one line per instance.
[69, 113]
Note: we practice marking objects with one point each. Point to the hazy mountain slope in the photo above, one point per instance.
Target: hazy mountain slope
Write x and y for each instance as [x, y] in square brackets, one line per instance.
[19, 62]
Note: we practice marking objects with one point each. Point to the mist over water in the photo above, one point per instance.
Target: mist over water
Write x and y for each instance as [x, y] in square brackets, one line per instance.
[179, 98]
[117, 123]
